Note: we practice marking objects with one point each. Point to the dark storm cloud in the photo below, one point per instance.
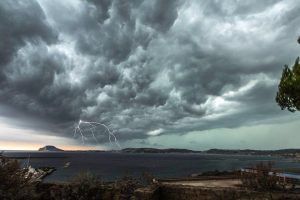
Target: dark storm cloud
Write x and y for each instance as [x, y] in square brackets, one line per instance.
[160, 15]
[146, 67]
[21, 21]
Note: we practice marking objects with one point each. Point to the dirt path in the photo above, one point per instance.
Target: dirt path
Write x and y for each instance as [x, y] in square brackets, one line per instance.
[227, 183]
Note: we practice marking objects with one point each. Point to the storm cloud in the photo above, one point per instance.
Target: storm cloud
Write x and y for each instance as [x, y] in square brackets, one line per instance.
[146, 68]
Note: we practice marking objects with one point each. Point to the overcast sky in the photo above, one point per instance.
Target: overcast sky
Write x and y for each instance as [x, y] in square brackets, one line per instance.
[162, 73]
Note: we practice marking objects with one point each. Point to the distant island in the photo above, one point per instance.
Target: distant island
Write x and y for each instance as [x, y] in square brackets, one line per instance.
[280, 152]
[154, 150]
[50, 148]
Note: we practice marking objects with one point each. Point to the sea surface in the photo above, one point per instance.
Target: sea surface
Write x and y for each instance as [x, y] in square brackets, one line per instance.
[110, 166]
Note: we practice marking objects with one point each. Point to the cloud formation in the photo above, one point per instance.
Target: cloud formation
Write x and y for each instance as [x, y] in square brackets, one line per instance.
[145, 67]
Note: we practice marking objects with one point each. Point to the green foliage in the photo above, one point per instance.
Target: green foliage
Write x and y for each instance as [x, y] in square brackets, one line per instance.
[288, 95]
[15, 183]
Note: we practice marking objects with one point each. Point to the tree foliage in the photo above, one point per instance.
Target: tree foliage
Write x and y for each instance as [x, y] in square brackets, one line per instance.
[288, 95]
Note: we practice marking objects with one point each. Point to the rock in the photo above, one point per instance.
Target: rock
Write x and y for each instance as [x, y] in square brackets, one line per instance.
[50, 148]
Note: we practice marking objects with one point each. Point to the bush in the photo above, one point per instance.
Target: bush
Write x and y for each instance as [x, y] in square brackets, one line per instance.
[84, 186]
[126, 186]
[261, 178]
[15, 183]
[87, 186]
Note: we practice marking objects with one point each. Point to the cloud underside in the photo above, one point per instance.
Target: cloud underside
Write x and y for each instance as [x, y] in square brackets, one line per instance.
[145, 68]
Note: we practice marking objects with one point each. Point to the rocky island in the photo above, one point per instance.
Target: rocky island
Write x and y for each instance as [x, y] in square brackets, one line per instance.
[50, 148]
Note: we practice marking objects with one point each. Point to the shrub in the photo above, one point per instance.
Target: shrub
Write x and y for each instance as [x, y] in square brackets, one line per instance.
[126, 187]
[84, 186]
[15, 183]
[261, 178]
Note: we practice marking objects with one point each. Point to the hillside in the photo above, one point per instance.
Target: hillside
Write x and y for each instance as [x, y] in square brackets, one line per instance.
[50, 148]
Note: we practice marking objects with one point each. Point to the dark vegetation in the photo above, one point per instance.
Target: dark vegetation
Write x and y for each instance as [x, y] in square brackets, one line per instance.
[85, 186]
[16, 184]
[288, 95]
[261, 178]
[218, 173]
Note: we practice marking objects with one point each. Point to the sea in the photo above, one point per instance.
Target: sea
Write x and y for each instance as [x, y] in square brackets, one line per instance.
[110, 166]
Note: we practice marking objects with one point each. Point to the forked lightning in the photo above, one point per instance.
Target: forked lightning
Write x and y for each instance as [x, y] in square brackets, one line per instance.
[91, 126]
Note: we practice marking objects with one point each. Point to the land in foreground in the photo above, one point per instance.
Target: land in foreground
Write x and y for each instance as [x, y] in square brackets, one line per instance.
[253, 184]
[111, 166]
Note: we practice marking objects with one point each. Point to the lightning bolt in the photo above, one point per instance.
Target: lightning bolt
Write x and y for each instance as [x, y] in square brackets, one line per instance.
[91, 127]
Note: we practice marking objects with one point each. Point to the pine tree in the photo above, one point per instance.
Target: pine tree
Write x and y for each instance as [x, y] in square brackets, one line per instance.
[288, 95]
